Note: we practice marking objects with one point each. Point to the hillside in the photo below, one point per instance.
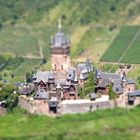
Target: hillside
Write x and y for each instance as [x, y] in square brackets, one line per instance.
[125, 47]
[116, 124]
[26, 26]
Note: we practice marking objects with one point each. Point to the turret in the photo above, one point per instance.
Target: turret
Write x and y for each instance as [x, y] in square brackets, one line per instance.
[60, 50]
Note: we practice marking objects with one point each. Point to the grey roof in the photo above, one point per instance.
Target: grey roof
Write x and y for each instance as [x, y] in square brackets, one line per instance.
[135, 93]
[43, 75]
[124, 79]
[62, 82]
[97, 74]
[59, 40]
[51, 75]
[83, 76]
[41, 95]
[112, 76]
[25, 90]
[89, 65]
[82, 68]
[117, 89]
[117, 82]
[71, 74]
[103, 83]
[130, 81]
[107, 77]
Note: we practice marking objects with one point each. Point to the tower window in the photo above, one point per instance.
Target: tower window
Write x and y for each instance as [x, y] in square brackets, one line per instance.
[55, 66]
[62, 67]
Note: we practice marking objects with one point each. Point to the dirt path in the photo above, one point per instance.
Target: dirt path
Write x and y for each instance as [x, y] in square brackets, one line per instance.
[30, 56]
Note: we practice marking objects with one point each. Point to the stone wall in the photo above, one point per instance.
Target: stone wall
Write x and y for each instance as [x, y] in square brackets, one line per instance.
[136, 101]
[34, 106]
[89, 106]
[72, 107]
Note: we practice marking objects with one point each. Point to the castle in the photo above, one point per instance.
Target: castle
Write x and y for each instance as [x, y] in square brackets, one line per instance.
[59, 86]
[60, 50]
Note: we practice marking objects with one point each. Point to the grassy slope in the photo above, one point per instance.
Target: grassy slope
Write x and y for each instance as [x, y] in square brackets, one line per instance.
[26, 25]
[38, 18]
[116, 124]
[19, 41]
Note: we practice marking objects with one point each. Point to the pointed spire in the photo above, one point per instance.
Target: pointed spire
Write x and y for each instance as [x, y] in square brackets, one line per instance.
[124, 79]
[59, 25]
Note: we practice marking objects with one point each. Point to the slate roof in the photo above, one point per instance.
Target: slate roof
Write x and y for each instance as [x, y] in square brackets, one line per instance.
[118, 89]
[103, 83]
[110, 77]
[105, 75]
[117, 82]
[51, 75]
[89, 65]
[130, 81]
[60, 40]
[83, 76]
[41, 95]
[62, 82]
[97, 74]
[25, 90]
[82, 68]
[71, 74]
[135, 93]
[43, 75]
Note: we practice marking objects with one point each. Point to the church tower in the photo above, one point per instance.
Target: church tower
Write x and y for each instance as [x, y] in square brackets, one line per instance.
[60, 50]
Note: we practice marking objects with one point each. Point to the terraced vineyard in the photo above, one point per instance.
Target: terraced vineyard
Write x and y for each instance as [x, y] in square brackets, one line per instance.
[125, 48]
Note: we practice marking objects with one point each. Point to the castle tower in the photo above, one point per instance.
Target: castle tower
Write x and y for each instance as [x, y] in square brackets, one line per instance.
[60, 50]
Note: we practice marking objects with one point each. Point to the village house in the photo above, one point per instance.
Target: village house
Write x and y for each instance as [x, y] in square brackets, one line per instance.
[103, 80]
[119, 83]
[134, 97]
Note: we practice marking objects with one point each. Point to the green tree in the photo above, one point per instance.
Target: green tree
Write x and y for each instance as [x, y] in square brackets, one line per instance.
[29, 77]
[80, 92]
[89, 86]
[8, 94]
[112, 95]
